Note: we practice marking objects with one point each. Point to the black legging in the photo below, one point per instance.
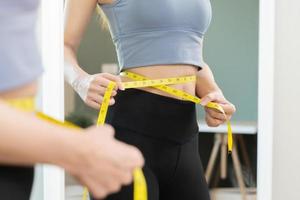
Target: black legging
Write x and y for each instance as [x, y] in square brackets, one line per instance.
[15, 182]
[166, 131]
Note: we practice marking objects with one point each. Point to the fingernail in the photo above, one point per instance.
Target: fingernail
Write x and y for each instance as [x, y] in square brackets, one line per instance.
[203, 103]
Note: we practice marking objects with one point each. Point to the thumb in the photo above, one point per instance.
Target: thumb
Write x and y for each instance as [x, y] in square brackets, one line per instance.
[206, 99]
[104, 131]
[108, 130]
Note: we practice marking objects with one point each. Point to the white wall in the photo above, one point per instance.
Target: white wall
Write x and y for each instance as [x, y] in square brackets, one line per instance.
[279, 94]
[286, 138]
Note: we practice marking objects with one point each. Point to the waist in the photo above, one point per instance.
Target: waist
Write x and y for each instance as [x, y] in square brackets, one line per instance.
[154, 115]
[27, 90]
[166, 71]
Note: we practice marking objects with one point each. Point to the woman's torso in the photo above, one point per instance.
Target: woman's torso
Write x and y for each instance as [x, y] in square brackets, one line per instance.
[20, 63]
[27, 90]
[167, 71]
[160, 39]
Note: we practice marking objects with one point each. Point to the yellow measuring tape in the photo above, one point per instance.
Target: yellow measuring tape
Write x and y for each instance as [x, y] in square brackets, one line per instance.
[139, 182]
[162, 84]
[140, 187]
[28, 105]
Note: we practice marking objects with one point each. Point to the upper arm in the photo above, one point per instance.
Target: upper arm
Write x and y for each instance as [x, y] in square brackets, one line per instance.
[77, 17]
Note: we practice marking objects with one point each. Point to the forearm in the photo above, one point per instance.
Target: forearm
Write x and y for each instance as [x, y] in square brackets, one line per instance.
[77, 16]
[206, 82]
[26, 140]
[71, 65]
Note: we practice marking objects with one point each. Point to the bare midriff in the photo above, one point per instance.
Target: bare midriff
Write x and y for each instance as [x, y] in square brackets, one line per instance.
[27, 90]
[152, 72]
[166, 71]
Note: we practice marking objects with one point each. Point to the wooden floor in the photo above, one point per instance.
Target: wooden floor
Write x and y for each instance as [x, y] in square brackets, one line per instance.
[231, 194]
[74, 192]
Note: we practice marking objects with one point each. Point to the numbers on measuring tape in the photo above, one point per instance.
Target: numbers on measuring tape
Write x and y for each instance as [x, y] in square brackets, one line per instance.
[140, 188]
[184, 96]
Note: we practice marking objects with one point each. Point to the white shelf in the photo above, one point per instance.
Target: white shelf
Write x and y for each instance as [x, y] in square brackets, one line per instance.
[238, 127]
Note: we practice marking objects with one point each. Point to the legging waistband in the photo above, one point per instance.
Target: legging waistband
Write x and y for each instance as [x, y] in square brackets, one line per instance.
[154, 115]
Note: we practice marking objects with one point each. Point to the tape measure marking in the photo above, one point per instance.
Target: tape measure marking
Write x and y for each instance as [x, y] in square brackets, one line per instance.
[157, 82]
[105, 103]
[139, 185]
[185, 96]
[101, 119]
[28, 105]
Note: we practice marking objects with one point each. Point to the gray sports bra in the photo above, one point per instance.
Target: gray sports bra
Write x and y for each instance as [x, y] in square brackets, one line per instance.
[19, 55]
[157, 32]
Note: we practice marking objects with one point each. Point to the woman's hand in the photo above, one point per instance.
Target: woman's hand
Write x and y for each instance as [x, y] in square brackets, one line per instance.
[209, 91]
[214, 117]
[101, 162]
[91, 88]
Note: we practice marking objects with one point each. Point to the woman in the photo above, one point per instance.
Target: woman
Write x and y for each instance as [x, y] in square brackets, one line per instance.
[25, 140]
[156, 39]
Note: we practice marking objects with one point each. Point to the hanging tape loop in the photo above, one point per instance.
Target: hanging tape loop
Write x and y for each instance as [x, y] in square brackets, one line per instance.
[140, 187]
[180, 94]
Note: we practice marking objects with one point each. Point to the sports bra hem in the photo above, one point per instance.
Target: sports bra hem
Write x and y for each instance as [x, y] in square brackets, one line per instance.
[198, 65]
[109, 5]
[16, 83]
[167, 29]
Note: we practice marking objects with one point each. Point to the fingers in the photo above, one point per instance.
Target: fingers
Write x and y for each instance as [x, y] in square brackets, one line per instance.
[98, 190]
[107, 130]
[209, 98]
[216, 96]
[127, 177]
[215, 114]
[114, 78]
[92, 103]
[111, 180]
[101, 81]
[213, 122]
[104, 169]
[105, 78]
[102, 163]
[215, 117]
[95, 100]
[98, 87]
[228, 108]
[123, 155]
[118, 177]
[115, 176]
[130, 156]
[112, 101]
[100, 185]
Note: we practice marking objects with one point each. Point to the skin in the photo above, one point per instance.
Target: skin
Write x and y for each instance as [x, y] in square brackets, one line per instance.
[93, 156]
[78, 14]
